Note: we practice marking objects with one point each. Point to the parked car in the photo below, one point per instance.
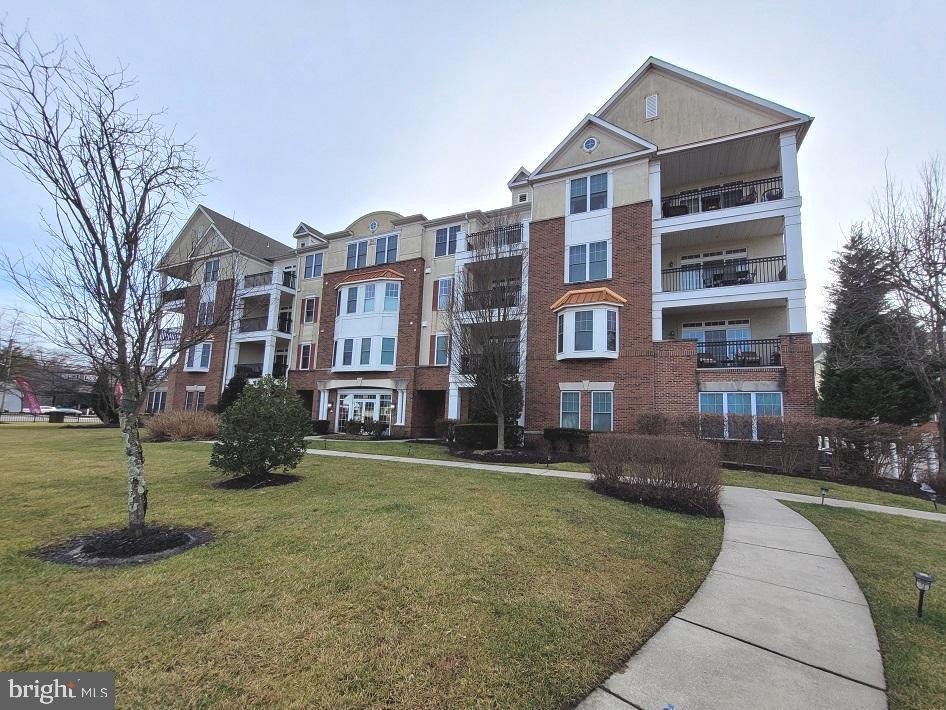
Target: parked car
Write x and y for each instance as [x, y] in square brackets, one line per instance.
[68, 411]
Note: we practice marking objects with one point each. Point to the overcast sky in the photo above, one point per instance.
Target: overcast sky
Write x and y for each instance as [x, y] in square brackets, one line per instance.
[322, 112]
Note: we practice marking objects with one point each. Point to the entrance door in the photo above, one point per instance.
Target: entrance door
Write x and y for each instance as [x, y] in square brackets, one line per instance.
[715, 344]
[359, 406]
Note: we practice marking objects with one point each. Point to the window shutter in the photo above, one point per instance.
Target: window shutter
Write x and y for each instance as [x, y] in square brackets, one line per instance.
[315, 310]
[298, 357]
[433, 350]
[436, 294]
[312, 356]
[650, 106]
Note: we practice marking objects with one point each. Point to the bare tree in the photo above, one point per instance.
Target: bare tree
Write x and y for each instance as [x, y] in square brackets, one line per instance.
[487, 316]
[117, 181]
[908, 227]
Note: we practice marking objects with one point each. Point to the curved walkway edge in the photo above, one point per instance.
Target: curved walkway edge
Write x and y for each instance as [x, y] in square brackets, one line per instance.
[779, 622]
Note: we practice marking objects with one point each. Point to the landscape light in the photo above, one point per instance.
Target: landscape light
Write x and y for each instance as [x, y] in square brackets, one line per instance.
[824, 492]
[923, 583]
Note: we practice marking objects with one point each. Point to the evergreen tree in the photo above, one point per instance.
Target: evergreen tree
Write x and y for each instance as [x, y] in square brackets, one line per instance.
[230, 393]
[862, 379]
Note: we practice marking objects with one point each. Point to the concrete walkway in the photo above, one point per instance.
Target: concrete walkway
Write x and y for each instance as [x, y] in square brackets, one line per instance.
[779, 622]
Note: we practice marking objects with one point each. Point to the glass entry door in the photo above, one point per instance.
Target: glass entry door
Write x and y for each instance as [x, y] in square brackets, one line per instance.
[359, 406]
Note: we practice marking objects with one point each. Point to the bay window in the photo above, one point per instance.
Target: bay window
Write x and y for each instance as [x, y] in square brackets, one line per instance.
[352, 304]
[561, 333]
[365, 358]
[392, 297]
[347, 348]
[612, 331]
[369, 298]
[584, 330]
[387, 350]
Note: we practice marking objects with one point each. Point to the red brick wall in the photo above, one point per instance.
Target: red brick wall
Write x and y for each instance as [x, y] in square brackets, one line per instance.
[633, 372]
[798, 361]
[178, 380]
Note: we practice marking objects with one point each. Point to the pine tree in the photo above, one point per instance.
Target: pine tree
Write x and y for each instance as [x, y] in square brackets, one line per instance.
[861, 378]
[230, 393]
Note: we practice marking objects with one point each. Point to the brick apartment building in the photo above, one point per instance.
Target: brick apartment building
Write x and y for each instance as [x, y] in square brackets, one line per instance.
[657, 259]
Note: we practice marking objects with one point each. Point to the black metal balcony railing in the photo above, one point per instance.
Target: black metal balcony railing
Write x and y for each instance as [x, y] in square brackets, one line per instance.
[498, 237]
[279, 369]
[763, 352]
[471, 363]
[264, 278]
[249, 371]
[493, 298]
[730, 272]
[248, 325]
[173, 294]
[288, 279]
[169, 336]
[728, 194]
[284, 324]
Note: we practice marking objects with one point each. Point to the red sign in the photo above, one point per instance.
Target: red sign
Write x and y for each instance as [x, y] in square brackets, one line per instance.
[29, 397]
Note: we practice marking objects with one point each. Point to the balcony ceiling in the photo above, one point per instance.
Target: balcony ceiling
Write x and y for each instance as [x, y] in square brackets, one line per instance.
[737, 231]
[719, 162]
[751, 304]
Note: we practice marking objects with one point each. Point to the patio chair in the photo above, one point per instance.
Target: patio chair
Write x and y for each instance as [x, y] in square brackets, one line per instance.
[748, 358]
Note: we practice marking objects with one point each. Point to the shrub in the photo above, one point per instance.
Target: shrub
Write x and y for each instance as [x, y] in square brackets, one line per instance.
[231, 393]
[264, 430]
[443, 429]
[320, 426]
[653, 423]
[400, 432]
[353, 427]
[183, 425]
[674, 473]
[564, 440]
[373, 428]
[470, 435]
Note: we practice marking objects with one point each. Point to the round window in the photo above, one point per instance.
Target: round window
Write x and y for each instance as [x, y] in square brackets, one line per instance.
[373, 226]
[590, 144]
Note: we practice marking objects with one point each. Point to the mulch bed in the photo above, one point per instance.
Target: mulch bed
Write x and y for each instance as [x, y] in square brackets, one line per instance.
[886, 485]
[118, 546]
[241, 483]
[514, 456]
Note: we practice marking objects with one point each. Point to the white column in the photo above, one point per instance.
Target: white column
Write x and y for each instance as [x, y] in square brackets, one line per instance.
[453, 402]
[461, 241]
[323, 404]
[797, 317]
[656, 258]
[269, 350]
[794, 255]
[273, 315]
[788, 163]
[232, 362]
[657, 323]
[653, 172]
[401, 406]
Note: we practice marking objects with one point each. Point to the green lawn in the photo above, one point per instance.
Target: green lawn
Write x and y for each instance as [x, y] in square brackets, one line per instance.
[364, 585]
[808, 486]
[883, 551]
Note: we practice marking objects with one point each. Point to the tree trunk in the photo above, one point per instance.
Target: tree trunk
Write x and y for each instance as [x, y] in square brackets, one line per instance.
[500, 431]
[137, 490]
[941, 442]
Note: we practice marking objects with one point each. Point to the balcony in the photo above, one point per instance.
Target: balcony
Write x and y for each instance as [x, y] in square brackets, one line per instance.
[284, 323]
[492, 298]
[169, 336]
[469, 364]
[716, 274]
[173, 294]
[249, 371]
[738, 353]
[265, 278]
[496, 238]
[249, 325]
[715, 197]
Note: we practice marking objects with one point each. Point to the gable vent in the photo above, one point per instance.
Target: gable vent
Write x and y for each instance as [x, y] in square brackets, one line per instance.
[523, 197]
[650, 107]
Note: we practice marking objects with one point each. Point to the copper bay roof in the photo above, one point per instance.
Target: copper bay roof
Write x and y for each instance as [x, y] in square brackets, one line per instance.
[375, 275]
[587, 296]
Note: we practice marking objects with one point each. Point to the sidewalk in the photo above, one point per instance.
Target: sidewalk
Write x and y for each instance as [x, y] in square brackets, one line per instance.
[778, 623]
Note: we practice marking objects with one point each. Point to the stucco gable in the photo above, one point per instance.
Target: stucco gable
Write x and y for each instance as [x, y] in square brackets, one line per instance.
[691, 107]
[611, 142]
[197, 238]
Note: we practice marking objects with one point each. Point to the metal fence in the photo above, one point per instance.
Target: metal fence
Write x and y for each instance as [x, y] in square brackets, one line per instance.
[44, 418]
[728, 272]
[729, 194]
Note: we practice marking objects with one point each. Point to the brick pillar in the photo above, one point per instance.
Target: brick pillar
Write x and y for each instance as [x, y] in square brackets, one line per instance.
[799, 364]
[675, 383]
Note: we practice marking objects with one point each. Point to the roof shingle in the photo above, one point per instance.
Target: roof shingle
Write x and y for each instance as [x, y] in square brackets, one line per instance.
[585, 296]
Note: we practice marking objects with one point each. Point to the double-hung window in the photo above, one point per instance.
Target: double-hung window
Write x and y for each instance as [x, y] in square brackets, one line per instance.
[440, 349]
[157, 399]
[570, 416]
[351, 305]
[369, 298]
[365, 351]
[387, 351]
[194, 399]
[308, 310]
[602, 411]
[444, 293]
[561, 333]
[305, 356]
[586, 194]
[446, 241]
[198, 357]
[612, 331]
[211, 271]
[347, 349]
[736, 414]
[588, 262]
[205, 312]
[313, 266]
[357, 255]
[385, 250]
[584, 330]
[392, 297]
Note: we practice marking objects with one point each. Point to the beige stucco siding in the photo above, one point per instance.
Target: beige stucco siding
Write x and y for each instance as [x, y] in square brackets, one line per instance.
[609, 146]
[769, 322]
[688, 112]
[757, 247]
[630, 182]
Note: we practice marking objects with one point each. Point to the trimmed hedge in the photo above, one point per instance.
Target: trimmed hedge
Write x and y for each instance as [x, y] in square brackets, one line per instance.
[567, 441]
[443, 429]
[667, 472]
[320, 426]
[469, 435]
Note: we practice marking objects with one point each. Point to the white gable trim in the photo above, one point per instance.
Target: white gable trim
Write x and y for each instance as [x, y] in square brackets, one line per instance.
[520, 178]
[645, 145]
[303, 230]
[214, 227]
[704, 81]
